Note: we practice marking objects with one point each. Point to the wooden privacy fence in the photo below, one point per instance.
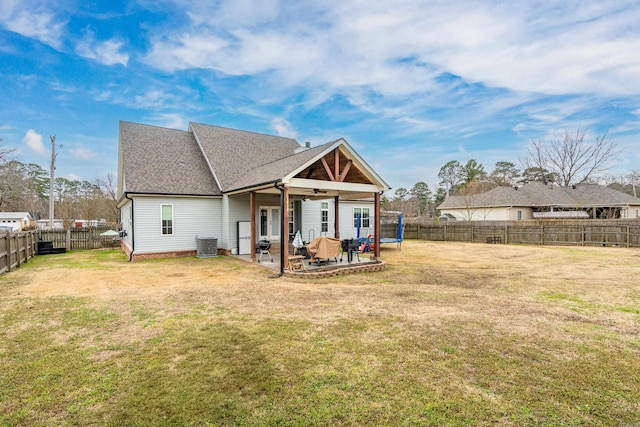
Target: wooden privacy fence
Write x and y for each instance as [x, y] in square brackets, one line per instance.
[78, 238]
[16, 249]
[576, 234]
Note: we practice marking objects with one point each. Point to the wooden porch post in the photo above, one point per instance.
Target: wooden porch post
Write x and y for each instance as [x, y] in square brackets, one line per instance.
[284, 238]
[336, 215]
[376, 225]
[252, 209]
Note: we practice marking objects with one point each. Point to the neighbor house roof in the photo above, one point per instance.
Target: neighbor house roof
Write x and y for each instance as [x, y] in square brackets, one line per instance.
[537, 194]
[14, 215]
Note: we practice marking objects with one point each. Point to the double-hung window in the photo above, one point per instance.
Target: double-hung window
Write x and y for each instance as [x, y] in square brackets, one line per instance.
[291, 223]
[361, 217]
[167, 220]
[324, 217]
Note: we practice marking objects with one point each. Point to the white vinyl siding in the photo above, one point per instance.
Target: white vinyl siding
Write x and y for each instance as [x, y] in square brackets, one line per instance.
[126, 223]
[311, 219]
[311, 226]
[191, 217]
[348, 210]
[239, 210]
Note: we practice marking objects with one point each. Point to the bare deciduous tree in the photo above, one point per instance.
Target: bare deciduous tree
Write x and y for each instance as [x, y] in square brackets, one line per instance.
[634, 180]
[451, 175]
[4, 152]
[108, 185]
[571, 157]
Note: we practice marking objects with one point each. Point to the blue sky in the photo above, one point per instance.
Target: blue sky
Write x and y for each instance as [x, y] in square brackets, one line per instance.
[409, 84]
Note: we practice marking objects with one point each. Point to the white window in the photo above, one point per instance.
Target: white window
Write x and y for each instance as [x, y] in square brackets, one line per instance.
[361, 216]
[167, 220]
[324, 217]
[291, 224]
[519, 215]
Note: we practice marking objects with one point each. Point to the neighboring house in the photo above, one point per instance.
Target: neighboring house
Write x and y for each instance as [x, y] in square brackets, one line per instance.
[18, 221]
[536, 200]
[212, 182]
[43, 224]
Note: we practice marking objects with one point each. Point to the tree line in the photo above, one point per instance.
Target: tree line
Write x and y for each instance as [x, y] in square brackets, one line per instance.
[564, 159]
[24, 187]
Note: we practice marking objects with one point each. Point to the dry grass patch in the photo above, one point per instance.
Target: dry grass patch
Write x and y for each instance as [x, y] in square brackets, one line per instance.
[448, 334]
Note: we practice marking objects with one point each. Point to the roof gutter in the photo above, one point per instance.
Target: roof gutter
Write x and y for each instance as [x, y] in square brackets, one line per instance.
[142, 193]
[254, 187]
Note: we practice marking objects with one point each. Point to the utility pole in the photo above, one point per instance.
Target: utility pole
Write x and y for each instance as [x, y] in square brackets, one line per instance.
[51, 178]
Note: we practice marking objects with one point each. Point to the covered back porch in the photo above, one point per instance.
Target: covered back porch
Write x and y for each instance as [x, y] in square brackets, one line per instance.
[339, 177]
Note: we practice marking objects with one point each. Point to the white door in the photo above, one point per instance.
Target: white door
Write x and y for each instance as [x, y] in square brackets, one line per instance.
[269, 223]
[244, 237]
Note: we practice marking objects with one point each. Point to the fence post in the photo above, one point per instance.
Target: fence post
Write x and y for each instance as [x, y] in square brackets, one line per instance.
[9, 252]
[542, 234]
[628, 236]
[17, 249]
[506, 234]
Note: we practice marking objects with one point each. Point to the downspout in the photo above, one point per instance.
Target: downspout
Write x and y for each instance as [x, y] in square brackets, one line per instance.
[133, 235]
[282, 237]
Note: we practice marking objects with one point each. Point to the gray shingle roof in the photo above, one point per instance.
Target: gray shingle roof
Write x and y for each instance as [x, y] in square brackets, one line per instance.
[235, 154]
[535, 194]
[278, 168]
[158, 160]
[206, 160]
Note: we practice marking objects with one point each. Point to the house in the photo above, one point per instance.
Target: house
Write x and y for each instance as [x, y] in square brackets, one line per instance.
[17, 221]
[537, 200]
[58, 224]
[237, 187]
[44, 224]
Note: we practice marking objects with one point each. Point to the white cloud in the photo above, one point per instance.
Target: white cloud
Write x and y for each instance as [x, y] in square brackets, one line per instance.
[73, 177]
[33, 21]
[6, 127]
[170, 120]
[33, 141]
[283, 128]
[106, 52]
[82, 153]
[400, 47]
[152, 99]
[7, 8]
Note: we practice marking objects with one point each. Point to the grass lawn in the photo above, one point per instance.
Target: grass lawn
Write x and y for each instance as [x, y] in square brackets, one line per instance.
[449, 334]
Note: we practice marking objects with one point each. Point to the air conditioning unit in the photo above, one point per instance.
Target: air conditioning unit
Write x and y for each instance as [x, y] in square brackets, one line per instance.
[206, 247]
